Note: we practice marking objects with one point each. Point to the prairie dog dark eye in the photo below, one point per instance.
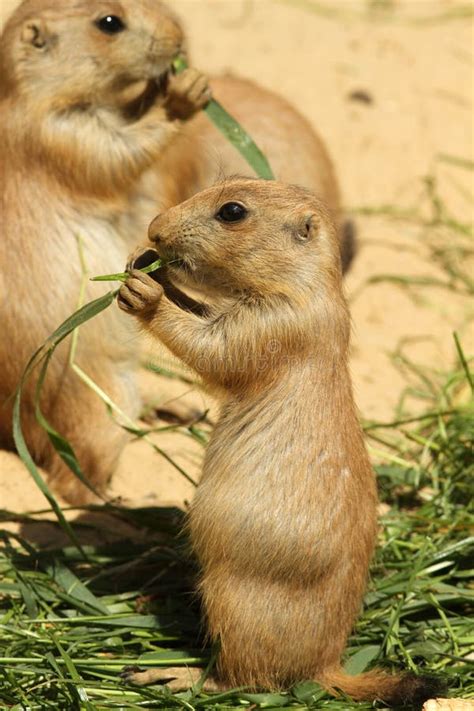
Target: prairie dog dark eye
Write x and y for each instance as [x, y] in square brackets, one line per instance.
[231, 212]
[110, 24]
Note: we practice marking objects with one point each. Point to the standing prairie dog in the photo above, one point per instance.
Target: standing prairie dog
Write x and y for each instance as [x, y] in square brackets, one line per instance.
[284, 519]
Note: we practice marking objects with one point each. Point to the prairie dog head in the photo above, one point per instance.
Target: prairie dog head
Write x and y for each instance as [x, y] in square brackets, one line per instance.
[81, 51]
[247, 236]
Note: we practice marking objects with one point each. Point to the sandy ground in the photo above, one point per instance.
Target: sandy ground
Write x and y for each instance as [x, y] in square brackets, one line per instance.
[416, 79]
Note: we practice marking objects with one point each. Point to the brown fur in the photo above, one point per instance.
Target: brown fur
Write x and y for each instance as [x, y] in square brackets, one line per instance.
[284, 519]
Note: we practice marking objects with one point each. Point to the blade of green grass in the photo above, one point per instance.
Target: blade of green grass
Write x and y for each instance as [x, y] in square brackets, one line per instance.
[123, 276]
[66, 579]
[234, 132]
[27, 460]
[463, 360]
[60, 444]
[45, 351]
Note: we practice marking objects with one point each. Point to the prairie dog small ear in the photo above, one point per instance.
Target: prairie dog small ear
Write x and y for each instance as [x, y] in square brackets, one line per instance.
[35, 33]
[307, 228]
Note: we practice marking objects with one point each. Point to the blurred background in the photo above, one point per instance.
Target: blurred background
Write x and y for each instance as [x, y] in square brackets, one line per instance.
[388, 84]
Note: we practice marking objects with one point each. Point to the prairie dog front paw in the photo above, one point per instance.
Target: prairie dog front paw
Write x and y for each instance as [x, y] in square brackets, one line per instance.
[188, 92]
[140, 295]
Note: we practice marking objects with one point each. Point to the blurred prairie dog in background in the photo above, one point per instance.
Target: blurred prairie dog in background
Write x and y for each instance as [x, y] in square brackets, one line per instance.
[73, 170]
[92, 149]
[284, 519]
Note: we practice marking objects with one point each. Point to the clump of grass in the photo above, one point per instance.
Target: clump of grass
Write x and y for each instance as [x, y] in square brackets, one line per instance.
[70, 621]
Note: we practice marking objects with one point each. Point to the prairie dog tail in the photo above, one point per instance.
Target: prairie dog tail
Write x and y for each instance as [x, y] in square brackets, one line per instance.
[395, 689]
